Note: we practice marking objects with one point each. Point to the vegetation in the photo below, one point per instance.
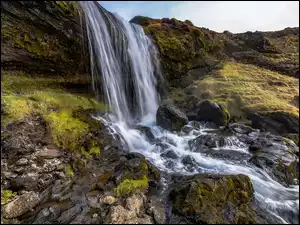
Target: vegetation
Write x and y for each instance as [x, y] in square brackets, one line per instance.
[244, 87]
[69, 170]
[66, 131]
[128, 186]
[6, 195]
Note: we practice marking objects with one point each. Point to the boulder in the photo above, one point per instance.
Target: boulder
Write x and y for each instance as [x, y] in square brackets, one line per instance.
[213, 199]
[170, 118]
[213, 112]
[276, 122]
[277, 156]
[21, 205]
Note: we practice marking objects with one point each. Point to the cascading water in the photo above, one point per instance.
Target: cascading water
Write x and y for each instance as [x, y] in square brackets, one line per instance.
[122, 52]
[124, 61]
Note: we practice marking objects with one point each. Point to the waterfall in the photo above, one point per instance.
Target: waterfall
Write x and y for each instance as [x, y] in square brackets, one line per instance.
[126, 70]
[124, 61]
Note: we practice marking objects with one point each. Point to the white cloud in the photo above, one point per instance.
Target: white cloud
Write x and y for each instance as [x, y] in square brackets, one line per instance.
[239, 16]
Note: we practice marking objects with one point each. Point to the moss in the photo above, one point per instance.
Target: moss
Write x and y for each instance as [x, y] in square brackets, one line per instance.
[128, 187]
[66, 131]
[67, 8]
[6, 195]
[65, 100]
[69, 171]
[94, 150]
[20, 82]
[14, 108]
[248, 88]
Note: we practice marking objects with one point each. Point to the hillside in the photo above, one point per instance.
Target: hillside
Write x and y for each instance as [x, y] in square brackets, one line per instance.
[248, 73]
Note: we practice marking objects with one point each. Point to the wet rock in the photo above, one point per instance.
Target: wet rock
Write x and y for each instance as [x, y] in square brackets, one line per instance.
[28, 182]
[147, 132]
[170, 154]
[189, 160]
[276, 156]
[210, 111]
[276, 122]
[170, 118]
[21, 205]
[213, 198]
[206, 141]
[241, 128]
[67, 216]
[109, 200]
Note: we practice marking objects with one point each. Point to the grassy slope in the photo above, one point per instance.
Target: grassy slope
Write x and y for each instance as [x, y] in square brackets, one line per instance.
[244, 87]
[66, 113]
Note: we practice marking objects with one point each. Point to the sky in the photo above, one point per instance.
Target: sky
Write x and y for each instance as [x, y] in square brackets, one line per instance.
[234, 16]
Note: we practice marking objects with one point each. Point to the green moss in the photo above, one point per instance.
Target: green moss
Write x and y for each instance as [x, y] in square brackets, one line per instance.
[69, 170]
[247, 88]
[6, 195]
[68, 9]
[14, 108]
[93, 150]
[128, 187]
[245, 194]
[67, 132]
[65, 100]
[20, 82]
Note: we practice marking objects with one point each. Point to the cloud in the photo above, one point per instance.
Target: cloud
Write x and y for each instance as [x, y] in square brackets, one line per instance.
[239, 16]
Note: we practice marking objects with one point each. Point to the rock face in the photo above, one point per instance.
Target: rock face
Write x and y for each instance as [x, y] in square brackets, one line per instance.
[44, 37]
[276, 122]
[277, 156]
[210, 111]
[214, 199]
[171, 118]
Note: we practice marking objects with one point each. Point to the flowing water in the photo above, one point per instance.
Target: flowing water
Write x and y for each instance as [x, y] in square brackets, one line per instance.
[125, 67]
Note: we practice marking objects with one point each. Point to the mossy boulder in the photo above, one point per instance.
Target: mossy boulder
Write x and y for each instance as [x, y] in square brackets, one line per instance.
[135, 175]
[171, 118]
[212, 112]
[212, 199]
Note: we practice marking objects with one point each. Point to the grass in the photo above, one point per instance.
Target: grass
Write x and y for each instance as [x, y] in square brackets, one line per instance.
[244, 87]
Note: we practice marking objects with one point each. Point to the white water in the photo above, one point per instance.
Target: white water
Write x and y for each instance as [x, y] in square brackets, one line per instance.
[126, 59]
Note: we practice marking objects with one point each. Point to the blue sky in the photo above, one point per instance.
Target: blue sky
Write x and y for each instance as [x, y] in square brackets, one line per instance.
[216, 15]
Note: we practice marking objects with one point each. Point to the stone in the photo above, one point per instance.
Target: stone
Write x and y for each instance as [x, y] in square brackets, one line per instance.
[109, 200]
[212, 112]
[203, 198]
[170, 154]
[119, 215]
[21, 205]
[49, 153]
[276, 122]
[135, 203]
[170, 118]
[22, 162]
